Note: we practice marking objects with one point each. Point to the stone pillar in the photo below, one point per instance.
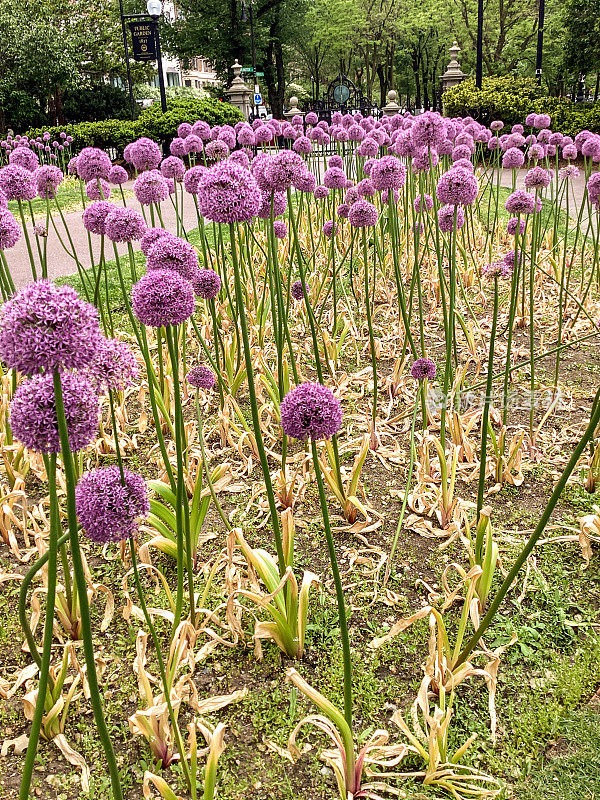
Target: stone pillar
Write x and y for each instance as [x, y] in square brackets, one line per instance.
[293, 110]
[239, 93]
[454, 74]
[392, 108]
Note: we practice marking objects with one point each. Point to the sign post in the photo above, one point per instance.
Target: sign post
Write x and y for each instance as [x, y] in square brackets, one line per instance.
[144, 41]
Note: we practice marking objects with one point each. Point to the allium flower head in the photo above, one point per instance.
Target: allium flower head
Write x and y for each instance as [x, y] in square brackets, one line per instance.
[201, 377]
[423, 201]
[150, 187]
[201, 128]
[457, 186]
[114, 365]
[162, 298]
[217, 150]
[17, 183]
[363, 214]
[423, 368]
[283, 169]
[343, 210]
[311, 118]
[541, 121]
[305, 182]
[591, 148]
[278, 201]
[191, 179]
[428, 130]
[228, 193]
[568, 172]
[109, 507]
[117, 175]
[10, 230]
[302, 145]
[143, 154]
[241, 158]
[280, 229]
[446, 218]
[33, 412]
[513, 158]
[520, 202]
[334, 178]
[388, 173]
[207, 284]
[24, 157]
[151, 237]
[124, 224]
[93, 163]
[497, 269]
[173, 253]
[511, 226]
[3, 201]
[321, 192]
[365, 188]
[496, 125]
[172, 167]
[310, 411]
[329, 228]
[98, 189]
[538, 178]
[94, 216]
[298, 290]
[184, 129]
[46, 327]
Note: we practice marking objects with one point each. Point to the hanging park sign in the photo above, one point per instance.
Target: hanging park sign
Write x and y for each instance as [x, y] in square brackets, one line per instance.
[144, 42]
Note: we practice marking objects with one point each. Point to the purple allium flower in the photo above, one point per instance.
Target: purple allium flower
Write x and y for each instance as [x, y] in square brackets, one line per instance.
[46, 326]
[541, 121]
[17, 183]
[496, 125]
[40, 229]
[206, 283]
[109, 506]
[461, 152]
[446, 218]
[193, 144]
[365, 188]
[568, 172]
[246, 137]
[143, 154]
[424, 160]
[184, 129]
[513, 158]
[593, 188]
[351, 196]
[457, 186]
[33, 412]
[368, 148]
[114, 366]
[279, 201]
[228, 193]
[428, 130]
[424, 201]
[280, 229]
[538, 178]
[363, 214]
[162, 298]
[334, 178]
[24, 157]
[72, 166]
[217, 150]
[305, 182]
[47, 179]
[117, 175]
[330, 228]
[173, 253]
[3, 201]
[423, 368]
[202, 129]
[177, 147]
[310, 411]
[591, 148]
[10, 230]
[302, 145]
[520, 202]
[336, 161]
[321, 192]
[191, 179]
[388, 173]
[311, 118]
[150, 187]
[509, 258]
[172, 167]
[151, 237]
[283, 169]
[343, 210]
[241, 158]
[124, 224]
[93, 163]
[94, 216]
[298, 289]
[511, 226]
[497, 269]
[201, 377]
[98, 189]
[569, 152]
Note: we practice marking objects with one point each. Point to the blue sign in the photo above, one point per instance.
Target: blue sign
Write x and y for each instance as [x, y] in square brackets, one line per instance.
[258, 99]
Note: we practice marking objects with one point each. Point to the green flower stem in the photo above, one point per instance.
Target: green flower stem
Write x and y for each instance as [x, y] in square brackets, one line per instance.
[36, 724]
[370, 326]
[27, 240]
[84, 609]
[339, 591]
[239, 296]
[539, 530]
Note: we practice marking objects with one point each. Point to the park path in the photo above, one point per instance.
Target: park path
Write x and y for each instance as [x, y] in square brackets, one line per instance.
[61, 264]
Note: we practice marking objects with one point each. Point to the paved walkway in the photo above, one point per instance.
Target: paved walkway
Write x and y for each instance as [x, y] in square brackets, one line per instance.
[59, 263]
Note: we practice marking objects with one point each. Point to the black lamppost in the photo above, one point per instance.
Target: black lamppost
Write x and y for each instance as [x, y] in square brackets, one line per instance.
[126, 46]
[154, 8]
[479, 65]
[254, 84]
[540, 42]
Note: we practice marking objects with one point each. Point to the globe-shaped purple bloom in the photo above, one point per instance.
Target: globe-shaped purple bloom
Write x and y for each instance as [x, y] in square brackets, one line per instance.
[329, 228]
[143, 154]
[162, 298]
[283, 169]
[173, 253]
[569, 152]
[305, 182]
[520, 202]
[365, 188]
[593, 188]
[279, 203]
[98, 189]
[298, 290]
[46, 327]
[513, 158]
[302, 145]
[538, 178]
[94, 216]
[457, 186]
[201, 128]
[93, 163]
[117, 175]
[496, 269]
[310, 411]
[363, 214]
[428, 130]
[17, 183]
[10, 230]
[109, 506]
[446, 218]
[184, 129]
[207, 284]
[321, 192]
[24, 157]
[334, 178]
[343, 210]
[423, 201]
[423, 368]
[114, 365]
[541, 121]
[388, 173]
[33, 412]
[280, 229]
[201, 377]
[172, 167]
[47, 179]
[217, 150]
[496, 125]
[192, 177]
[228, 193]
[150, 187]
[151, 237]
[511, 226]
[124, 225]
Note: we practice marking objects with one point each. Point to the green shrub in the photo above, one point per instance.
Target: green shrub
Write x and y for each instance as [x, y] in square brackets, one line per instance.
[19, 110]
[92, 103]
[512, 99]
[116, 133]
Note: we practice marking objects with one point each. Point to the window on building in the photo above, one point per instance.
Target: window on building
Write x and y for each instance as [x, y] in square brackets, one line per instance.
[187, 83]
[198, 84]
[173, 79]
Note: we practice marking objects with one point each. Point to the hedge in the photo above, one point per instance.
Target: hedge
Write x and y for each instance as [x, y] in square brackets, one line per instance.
[116, 133]
[512, 99]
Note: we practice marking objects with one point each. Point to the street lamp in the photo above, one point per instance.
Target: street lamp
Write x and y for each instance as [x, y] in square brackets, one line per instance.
[154, 8]
[244, 18]
[540, 42]
[479, 64]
